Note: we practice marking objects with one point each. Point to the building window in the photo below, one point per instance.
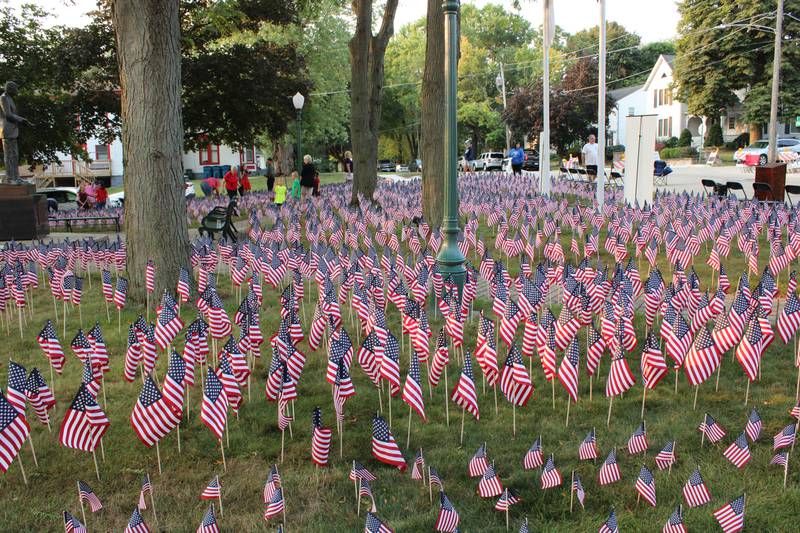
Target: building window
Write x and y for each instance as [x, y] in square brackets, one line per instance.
[655, 98]
[731, 123]
[665, 127]
[662, 97]
[209, 155]
[102, 152]
[631, 111]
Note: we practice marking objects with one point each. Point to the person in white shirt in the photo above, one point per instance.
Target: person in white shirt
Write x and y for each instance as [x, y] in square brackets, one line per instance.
[589, 155]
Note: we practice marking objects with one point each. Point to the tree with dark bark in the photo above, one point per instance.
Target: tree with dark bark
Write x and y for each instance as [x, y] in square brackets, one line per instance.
[367, 53]
[433, 116]
[148, 39]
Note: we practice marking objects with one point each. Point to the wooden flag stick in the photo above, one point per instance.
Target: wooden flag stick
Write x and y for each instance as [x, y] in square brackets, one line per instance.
[356, 477]
[96, 468]
[153, 503]
[179, 439]
[463, 413]
[785, 471]
[430, 387]
[571, 492]
[644, 398]
[694, 404]
[514, 419]
[158, 454]
[747, 392]
[610, 403]
[33, 451]
[22, 468]
[19, 313]
[507, 506]
[283, 439]
[408, 437]
[590, 387]
[496, 409]
[430, 485]
[221, 510]
[676, 382]
[674, 451]
[80, 501]
[341, 437]
[390, 406]
[380, 396]
[568, 404]
[222, 449]
[358, 498]
[719, 371]
[553, 388]
[119, 320]
[446, 403]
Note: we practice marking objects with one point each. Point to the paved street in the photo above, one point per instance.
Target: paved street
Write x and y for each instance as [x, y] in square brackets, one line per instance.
[688, 178]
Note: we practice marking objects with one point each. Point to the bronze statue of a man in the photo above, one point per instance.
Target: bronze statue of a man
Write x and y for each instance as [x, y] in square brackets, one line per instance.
[9, 132]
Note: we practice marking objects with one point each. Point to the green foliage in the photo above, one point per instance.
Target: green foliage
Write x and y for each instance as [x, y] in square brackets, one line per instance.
[712, 62]
[672, 142]
[714, 137]
[686, 138]
[677, 152]
[742, 140]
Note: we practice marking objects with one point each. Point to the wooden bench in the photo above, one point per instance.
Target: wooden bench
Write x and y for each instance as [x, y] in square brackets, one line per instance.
[218, 220]
[69, 220]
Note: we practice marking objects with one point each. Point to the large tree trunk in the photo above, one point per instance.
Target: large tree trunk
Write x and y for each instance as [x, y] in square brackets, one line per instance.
[366, 91]
[149, 56]
[432, 136]
[755, 132]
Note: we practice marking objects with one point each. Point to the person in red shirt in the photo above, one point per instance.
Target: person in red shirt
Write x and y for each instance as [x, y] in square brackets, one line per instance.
[101, 195]
[244, 183]
[231, 183]
[210, 186]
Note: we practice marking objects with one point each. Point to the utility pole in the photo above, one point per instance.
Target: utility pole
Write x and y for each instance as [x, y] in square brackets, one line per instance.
[500, 82]
[544, 140]
[450, 258]
[772, 151]
[601, 110]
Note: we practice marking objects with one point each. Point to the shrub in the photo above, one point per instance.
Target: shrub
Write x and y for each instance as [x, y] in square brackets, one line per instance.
[686, 138]
[616, 148]
[678, 152]
[714, 137]
[739, 142]
[672, 142]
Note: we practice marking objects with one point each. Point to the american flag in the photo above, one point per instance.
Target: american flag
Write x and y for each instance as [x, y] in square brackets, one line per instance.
[588, 448]
[80, 345]
[272, 484]
[506, 500]
[152, 417]
[84, 423]
[174, 383]
[478, 463]
[568, 371]
[150, 276]
[637, 443]
[212, 491]
[183, 287]
[731, 515]
[780, 459]
[653, 366]
[533, 457]
[40, 396]
[214, 411]
[753, 427]
[550, 475]
[666, 457]
[577, 488]
[14, 430]
[789, 318]
[375, 525]
[646, 485]
[448, 518]
[358, 470]
[418, 468]
[147, 488]
[464, 394]
[620, 377]
[434, 479]
[711, 429]
[489, 484]
[748, 353]
[209, 523]
[320, 439]
[384, 447]
[675, 522]
[365, 491]
[784, 438]
[276, 505]
[609, 472]
[72, 524]
[136, 524]
[121, 292]
[17, 383]
[412, 391]
[108, 288]
[85, 493]
[514, 380]
[168, 325]
[695, 491]
[48, 342]
[610, 525]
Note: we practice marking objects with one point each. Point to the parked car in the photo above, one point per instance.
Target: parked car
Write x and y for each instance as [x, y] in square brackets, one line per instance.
[531, 162]
[761, 147]
[402, 168]
[386, 165]
[489, 161]
[118, 198]
[65, 197]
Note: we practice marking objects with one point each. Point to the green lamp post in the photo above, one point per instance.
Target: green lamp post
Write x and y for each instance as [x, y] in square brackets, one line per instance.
[450, 258]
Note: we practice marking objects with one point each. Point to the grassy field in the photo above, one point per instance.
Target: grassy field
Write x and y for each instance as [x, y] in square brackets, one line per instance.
[324, 500]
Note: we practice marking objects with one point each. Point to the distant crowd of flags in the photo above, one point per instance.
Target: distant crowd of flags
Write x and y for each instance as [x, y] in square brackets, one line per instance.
[335, 248]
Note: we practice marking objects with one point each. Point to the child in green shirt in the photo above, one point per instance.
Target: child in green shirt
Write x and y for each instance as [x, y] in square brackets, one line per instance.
[296, 186]
[280, 191]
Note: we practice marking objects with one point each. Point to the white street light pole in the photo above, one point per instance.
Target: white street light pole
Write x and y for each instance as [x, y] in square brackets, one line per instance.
[776, 85]
[544, 140]
[601, 110]
[500, 82]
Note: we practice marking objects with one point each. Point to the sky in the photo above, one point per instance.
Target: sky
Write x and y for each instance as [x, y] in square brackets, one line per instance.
[653, 20]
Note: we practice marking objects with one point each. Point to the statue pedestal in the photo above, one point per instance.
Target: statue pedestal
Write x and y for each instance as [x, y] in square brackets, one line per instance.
[23, 213]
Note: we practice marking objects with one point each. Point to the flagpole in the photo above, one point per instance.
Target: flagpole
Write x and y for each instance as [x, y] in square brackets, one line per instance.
[153, 503]
[356, 477]
[22, 468]
[358, 498]
[674, 451]
[568, 404]
[786, 470]
[221, 511]
[83, 513]
[408, 437]
[610, 403]
[96, 468]
[694, 404]
[447, 388]
[571, 491]
[222, 449]
[463, 413]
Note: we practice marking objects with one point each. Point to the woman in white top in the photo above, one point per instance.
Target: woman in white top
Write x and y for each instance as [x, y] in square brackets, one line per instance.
[589, 154]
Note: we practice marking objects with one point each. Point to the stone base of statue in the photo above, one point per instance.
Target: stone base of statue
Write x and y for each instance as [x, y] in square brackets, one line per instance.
[23, 213]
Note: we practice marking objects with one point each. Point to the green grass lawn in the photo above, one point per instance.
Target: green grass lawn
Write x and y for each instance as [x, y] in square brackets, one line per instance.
[324, 500]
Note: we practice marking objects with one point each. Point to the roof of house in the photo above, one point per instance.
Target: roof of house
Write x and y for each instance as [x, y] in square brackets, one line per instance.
[619, 94]
[663, 58]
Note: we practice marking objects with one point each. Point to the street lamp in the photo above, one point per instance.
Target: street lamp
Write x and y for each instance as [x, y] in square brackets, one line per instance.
[450, 258]
[297, 101]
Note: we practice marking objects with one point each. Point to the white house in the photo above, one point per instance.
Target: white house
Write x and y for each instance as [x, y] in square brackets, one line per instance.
[657, 97]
